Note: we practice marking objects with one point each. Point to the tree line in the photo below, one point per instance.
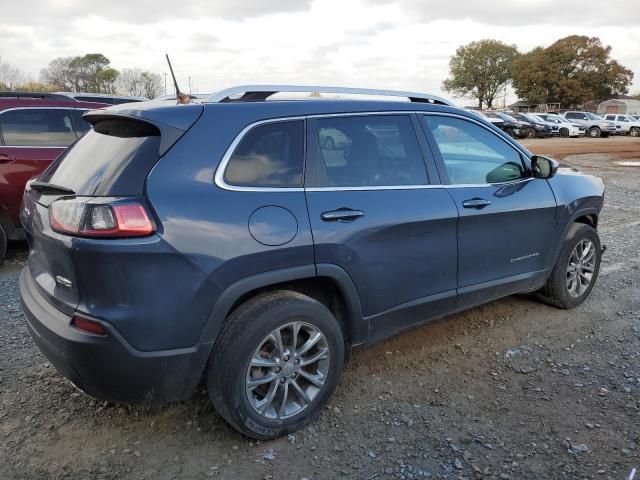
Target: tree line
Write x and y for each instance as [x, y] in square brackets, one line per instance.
[86, 73]
[571, 72]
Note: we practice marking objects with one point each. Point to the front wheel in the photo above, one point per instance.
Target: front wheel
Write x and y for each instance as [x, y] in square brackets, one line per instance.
[275, 364]
[576, 269]
[634, 132]
[594, 132]
[564, 132]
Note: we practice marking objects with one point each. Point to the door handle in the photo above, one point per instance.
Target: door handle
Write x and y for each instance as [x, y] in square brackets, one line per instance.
[4, 158]
[476, 203]
[341, 215]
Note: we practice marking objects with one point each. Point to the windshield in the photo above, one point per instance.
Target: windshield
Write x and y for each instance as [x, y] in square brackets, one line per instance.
[592, 116]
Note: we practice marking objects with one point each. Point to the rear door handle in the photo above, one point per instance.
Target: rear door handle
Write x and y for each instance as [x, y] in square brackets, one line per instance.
[4, 158]
[341, 215]
[476, 203]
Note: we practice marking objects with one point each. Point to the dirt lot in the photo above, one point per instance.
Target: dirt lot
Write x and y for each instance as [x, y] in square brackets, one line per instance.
[510, 390]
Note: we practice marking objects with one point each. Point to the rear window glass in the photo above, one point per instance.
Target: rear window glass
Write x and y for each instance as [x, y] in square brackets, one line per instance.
[270, 155]
[37, 127]
[112, 159]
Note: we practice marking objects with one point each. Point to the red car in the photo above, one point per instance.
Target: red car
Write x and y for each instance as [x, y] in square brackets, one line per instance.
[33, 133]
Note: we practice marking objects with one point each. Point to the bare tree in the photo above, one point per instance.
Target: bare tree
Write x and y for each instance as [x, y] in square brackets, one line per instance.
[131, 82]
[11, 76]
[152, 84]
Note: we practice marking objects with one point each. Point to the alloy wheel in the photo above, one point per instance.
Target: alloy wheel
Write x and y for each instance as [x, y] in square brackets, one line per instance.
[288, 370]
[580, 268]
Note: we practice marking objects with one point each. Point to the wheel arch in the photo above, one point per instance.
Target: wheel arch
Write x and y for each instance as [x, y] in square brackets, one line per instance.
[328, 284]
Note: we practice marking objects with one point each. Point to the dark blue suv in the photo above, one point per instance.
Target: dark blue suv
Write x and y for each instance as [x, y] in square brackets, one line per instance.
[253, 242]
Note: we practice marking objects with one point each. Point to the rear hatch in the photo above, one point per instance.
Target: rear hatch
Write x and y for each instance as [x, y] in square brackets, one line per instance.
[110, 163]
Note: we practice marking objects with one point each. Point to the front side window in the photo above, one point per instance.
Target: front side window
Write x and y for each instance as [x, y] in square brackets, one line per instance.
[472, 154]
[367, 151]
[37, 127]
[269, 155]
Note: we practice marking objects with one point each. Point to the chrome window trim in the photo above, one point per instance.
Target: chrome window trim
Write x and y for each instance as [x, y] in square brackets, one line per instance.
[219, 175]
[36, 107]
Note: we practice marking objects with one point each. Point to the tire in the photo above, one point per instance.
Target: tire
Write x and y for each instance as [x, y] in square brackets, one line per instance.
[248, 334]
[634, 132]
[531, 133]
[329, 144]
[564, 132]
[557, 291]
[594, 132]
[3, 243]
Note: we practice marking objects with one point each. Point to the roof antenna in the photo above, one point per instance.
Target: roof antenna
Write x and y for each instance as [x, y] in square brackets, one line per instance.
[180, 97]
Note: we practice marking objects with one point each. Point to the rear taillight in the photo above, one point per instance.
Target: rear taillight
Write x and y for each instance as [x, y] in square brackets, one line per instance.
[117, 220]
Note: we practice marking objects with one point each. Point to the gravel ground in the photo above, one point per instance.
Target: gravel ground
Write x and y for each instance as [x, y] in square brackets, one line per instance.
[510, 390]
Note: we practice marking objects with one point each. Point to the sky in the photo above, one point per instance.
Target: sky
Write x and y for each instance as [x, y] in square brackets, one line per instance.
[387, 44]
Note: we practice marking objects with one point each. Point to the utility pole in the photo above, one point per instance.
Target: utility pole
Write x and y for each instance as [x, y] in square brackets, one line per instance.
[165, 82]
[189, 85]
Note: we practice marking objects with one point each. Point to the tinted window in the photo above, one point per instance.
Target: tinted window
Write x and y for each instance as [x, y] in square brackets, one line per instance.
[270, 155]
[374, 150]
[37, 127]
[81, 125]
[112, 159]
[472, 154]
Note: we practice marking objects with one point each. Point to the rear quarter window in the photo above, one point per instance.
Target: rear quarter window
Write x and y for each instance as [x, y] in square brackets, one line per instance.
[269, 155]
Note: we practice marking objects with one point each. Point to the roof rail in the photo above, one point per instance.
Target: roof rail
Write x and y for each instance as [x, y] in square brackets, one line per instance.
[40, 95]
[252, 93]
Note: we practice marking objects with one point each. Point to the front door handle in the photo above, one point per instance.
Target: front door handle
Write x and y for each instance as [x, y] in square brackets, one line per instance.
[342, 215]
[476, 203]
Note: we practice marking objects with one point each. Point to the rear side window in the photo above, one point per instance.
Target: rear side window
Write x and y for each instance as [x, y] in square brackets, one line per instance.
[112, 159]
[37, 127]
[269, 155]
[372, 150]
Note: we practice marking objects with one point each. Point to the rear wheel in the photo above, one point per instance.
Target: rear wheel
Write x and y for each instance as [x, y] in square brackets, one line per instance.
[3, 243]
[576, 269]
[275, 364]
[594, 132]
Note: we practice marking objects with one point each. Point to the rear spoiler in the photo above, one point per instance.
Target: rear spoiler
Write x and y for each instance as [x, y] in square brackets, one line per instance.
[172, 121]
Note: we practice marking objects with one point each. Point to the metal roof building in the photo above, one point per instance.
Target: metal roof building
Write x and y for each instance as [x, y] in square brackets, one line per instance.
[623, 106]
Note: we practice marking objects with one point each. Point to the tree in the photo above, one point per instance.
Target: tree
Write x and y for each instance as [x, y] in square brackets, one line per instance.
[10, 76]
[139, 83]
[37, 87]
[480, 69]
[88, 73]
[571, 71]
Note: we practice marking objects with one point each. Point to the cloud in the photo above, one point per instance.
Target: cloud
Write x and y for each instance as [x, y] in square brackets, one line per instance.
[522, 12]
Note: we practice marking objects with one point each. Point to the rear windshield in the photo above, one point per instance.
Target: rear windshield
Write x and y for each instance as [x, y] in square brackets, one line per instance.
[112, 159]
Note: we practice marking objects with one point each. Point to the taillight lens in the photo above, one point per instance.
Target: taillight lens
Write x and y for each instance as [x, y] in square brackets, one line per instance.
[74, 217]
[87, 325]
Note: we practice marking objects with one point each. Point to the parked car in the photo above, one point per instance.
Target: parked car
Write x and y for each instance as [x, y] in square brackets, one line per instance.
[593, 124]
[566, 128]
[512, 126]
[33, 133]
[628, 125]
[258, 257]
[102, 97]
[539, 127]
[498, 122]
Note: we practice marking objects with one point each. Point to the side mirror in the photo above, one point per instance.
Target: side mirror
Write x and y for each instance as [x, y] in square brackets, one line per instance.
[543, 167]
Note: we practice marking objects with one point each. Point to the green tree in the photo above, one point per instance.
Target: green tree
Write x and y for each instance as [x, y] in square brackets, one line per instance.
[89, 73]
[480, 69]
[571, 71]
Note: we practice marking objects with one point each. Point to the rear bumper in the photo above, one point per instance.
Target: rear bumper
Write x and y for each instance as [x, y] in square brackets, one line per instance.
[107, 367]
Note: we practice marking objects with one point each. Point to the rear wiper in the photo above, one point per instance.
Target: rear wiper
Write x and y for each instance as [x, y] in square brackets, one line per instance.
[44, 187]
